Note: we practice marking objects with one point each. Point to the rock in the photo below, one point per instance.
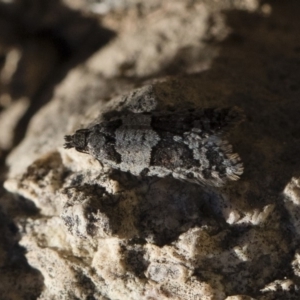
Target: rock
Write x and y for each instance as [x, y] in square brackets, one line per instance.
[103, 234]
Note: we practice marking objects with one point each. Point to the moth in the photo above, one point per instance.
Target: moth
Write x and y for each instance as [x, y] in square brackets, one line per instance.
[188, 145]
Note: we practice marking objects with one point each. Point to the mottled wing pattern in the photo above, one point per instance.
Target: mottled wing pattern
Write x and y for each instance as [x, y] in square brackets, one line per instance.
[188, 145]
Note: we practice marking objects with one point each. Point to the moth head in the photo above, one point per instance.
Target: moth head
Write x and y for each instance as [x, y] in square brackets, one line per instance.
[77, 140]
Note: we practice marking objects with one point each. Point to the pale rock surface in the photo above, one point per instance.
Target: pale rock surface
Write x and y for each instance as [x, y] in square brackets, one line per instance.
[101, 234]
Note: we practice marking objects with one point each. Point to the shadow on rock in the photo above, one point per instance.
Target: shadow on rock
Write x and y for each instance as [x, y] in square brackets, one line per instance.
[52, 39]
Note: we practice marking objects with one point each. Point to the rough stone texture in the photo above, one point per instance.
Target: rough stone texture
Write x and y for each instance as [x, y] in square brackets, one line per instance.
[73, 229]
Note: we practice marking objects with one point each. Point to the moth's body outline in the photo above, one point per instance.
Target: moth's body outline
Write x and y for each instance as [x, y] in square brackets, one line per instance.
[188, 145]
